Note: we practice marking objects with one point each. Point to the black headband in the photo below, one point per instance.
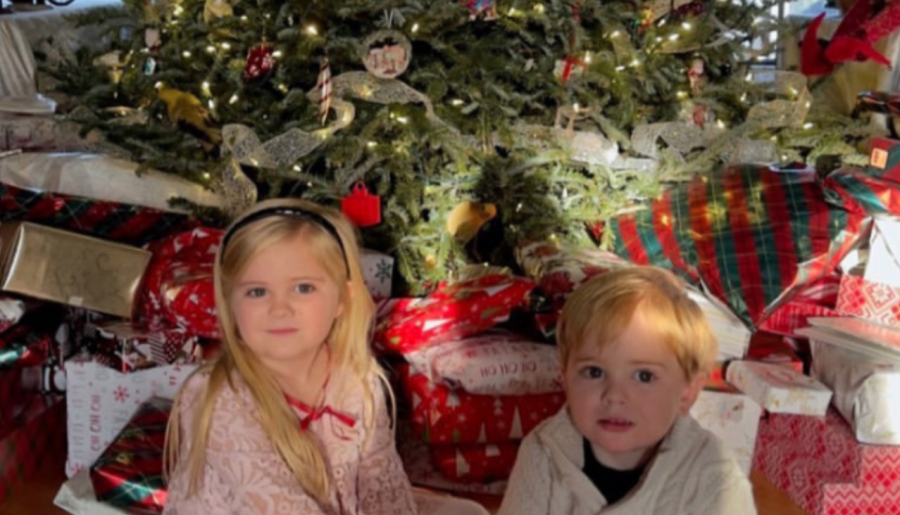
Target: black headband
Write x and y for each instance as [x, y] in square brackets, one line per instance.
[292, 212]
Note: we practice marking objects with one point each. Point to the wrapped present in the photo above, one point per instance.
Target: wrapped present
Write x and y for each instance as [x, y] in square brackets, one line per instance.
[378, 273]
[126, 348]
[731, 416]
[419, 466]
[875, 294]
[862, 193]
[33, 442]
[790, 316]
[122, 223]
[179, 289]
[558, 269]
[492, 363]
[485, 463]
[857, 335]
[441, 415]
[35, 133]
[40, 337]
[884, 158]
[129, 473]
[102, 177]
[822, 467]
[65, 267]
[752, 236]
[864, 391]
[731, 333]
[779, 389]
[773, 348]
[101, 400]
[451, 312]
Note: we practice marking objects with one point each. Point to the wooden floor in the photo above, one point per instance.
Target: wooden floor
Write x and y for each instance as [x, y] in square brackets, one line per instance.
[36, 497]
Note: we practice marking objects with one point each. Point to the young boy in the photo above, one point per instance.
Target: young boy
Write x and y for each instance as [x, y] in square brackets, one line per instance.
[635, 353]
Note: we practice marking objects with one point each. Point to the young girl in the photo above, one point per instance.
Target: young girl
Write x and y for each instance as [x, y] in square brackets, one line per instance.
[291, 417]
[636, 352]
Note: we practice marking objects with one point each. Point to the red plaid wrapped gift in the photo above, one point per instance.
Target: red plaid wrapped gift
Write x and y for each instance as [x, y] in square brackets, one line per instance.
[484, 463]
[441, 415]
[773, 348]
[121, 346]
[822, 467]
[129, 473]
[178, 291]
[451, 312]
[755, 237]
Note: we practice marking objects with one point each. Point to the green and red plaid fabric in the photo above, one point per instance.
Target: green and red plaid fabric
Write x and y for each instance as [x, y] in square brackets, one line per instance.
[37, 441]
[123, 223]
[129, 473]
[752, 235]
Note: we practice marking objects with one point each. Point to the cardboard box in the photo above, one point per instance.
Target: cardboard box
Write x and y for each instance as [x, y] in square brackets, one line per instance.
[779, 389]
[102, 400]
[733, 417]
[65, 267]
[819, 464]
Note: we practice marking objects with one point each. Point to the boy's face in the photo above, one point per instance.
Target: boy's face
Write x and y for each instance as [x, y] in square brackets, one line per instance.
[625, 398]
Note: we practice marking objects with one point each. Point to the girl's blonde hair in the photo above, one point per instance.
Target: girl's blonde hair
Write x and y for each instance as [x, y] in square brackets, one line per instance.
[348, 342]
[601, 309]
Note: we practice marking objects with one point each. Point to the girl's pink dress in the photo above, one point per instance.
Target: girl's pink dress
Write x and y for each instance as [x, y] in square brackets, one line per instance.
[244, 475]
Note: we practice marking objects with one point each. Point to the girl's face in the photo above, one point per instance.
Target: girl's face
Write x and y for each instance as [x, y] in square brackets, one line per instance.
[285, 303]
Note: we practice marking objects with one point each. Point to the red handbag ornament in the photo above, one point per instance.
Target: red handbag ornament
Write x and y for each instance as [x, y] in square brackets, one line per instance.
[361, 207]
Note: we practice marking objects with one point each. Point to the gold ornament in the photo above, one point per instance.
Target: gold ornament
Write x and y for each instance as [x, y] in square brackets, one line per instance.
[185, 108]
[467, 218]
[214, 9]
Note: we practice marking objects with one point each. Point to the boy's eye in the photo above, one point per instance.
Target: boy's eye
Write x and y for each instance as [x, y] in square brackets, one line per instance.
[592, 372]
[256, 292]
[644, 376]
[305, 288]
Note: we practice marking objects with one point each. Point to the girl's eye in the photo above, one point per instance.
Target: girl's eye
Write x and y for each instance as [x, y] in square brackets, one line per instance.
[305, 288]
[644, 376]
[256, 292]
[592, 372]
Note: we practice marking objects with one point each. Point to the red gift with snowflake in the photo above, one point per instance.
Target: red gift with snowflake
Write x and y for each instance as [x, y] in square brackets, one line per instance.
[178, 289]
[441, 415]
[484, 463]
[819, 464]
[451, 312]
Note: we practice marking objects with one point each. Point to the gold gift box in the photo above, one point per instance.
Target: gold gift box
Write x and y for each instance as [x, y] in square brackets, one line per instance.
[65, 267]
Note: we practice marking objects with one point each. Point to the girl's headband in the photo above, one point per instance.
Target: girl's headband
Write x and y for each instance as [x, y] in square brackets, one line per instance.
[292, 212]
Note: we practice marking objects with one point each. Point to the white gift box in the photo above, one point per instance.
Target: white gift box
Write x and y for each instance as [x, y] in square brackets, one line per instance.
[100, 401]
[779, 389]
[865, 391]
[734, 418]
[884, 252]
[378, 273]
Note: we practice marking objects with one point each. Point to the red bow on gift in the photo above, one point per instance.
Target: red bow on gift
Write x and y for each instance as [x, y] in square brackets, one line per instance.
[853, 39]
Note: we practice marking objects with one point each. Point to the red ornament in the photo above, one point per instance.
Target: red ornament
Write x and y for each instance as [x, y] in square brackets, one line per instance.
[361, 207]
[260, 61]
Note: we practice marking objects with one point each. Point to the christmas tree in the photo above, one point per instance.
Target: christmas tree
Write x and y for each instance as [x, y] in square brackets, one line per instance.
[479, 123]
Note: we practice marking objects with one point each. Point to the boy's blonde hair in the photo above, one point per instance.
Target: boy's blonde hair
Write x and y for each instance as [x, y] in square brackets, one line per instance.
[348, 342]
[601, 309]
